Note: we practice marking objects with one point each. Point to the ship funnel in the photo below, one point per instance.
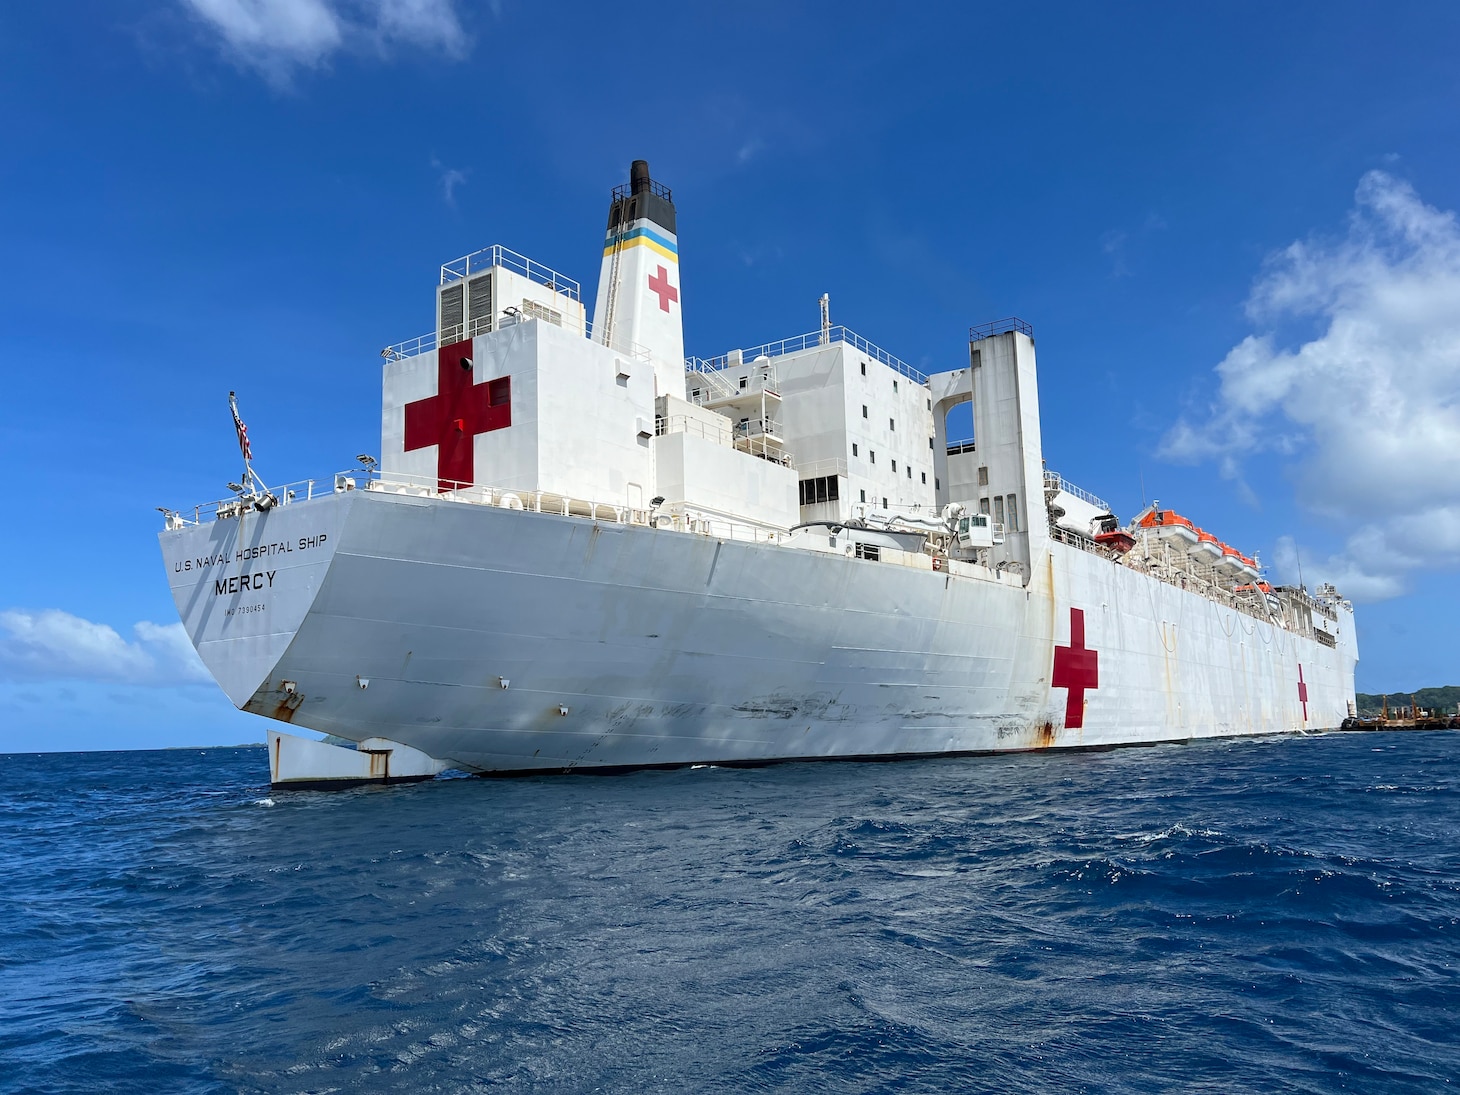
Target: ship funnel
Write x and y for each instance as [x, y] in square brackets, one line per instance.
[637, 310]
[639, 176]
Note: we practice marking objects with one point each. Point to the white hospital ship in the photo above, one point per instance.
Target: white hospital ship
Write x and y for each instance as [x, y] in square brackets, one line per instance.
[581, 550]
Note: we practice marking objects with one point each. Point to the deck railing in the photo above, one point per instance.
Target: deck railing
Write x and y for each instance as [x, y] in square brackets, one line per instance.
[1000, 327]
[679, 517]
[425, 344]
[805, 342]
[497, 255]
[1052, 481]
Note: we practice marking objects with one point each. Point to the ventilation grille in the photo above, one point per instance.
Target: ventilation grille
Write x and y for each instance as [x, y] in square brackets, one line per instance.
[533, 310]
[450, 316]
[479, 304]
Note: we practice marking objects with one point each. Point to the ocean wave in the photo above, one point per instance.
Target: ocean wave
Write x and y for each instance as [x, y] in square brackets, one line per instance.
[1197, 918]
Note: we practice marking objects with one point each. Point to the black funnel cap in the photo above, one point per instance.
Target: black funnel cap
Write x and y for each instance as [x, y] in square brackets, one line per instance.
[639, 177]
[643, 198]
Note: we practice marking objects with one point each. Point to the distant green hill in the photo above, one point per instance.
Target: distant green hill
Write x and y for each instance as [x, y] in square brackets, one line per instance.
[1434, 699]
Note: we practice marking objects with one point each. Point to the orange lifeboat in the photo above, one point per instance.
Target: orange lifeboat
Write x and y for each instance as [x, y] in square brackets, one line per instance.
[1230, 563]
[1168, 524]
[1250, 569]
[1199, 544]
[1208, 548]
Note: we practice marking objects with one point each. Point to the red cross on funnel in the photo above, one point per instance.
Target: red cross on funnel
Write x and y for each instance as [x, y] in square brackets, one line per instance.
[659, 283]
[1077, 669]
[458, 411]
[1303, 693]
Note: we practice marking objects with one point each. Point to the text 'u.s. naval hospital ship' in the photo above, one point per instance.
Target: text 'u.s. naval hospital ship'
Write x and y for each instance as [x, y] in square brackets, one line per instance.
[582, 550]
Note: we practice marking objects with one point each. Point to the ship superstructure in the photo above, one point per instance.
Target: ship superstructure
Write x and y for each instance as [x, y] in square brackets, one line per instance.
[582, 550]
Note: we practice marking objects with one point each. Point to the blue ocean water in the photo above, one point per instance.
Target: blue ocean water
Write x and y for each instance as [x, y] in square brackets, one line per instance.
[1260, 915]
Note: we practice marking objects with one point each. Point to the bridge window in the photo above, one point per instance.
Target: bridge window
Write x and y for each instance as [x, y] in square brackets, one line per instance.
[499, 391]
[854, 448]
[1013, 515]
[824, 488]
[925, 477]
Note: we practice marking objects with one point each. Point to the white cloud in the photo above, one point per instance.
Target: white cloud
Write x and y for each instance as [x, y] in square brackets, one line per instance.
[55, 645]
[1366, 413]
[279, 36]
[450, 178]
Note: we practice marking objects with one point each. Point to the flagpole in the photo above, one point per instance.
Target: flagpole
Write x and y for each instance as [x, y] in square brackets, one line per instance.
[242, 431]
[251, 479]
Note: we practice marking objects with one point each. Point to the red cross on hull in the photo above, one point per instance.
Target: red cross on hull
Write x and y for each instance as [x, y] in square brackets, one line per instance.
[1303, 694]
[1077, 669]
[659, 283]
[453, 417]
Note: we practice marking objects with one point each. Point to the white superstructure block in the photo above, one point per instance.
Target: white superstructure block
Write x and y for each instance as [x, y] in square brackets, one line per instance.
[538, 407]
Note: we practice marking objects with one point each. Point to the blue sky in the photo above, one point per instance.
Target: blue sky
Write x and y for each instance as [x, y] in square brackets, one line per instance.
[1229, 225]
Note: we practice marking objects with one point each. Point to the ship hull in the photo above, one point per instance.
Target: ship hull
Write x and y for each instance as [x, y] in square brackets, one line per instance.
[509, 641]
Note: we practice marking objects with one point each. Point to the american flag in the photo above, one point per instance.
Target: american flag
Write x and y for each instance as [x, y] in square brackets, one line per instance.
[240, 428]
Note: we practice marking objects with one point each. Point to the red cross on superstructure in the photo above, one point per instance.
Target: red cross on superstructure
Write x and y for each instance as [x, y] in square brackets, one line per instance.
[660, 284]
[1077, 669]
[1303, 693]
[458, 411]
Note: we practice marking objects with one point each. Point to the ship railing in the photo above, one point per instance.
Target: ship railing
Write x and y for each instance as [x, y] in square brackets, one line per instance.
[710, 386]
[695, 427]
[818, 469]
[1053, 481]
[497, 255]
[1302, 596]
[508, 317]
[765, 428]
[678, 517]
[1183, 573]
[766, 447]
[673, 516]
[807, 341]
[758, 438]
[1062, 535]
[958, 448]
[254, 502]
[999, 327]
